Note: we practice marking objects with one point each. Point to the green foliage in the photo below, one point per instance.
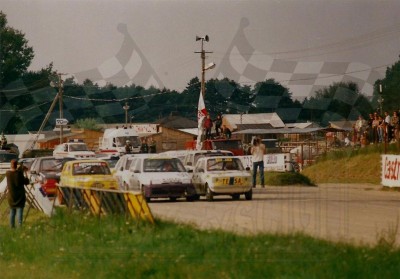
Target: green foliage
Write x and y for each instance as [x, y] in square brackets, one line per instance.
[287, 178]
[390, 89]
[16, 55]
[88, 123]
[339, 101]
[83, 246]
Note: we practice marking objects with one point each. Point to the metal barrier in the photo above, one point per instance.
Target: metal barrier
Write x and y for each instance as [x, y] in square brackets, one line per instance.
[104, 202]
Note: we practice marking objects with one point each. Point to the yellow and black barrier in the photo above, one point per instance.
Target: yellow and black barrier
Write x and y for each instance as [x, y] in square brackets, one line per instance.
[106, 202]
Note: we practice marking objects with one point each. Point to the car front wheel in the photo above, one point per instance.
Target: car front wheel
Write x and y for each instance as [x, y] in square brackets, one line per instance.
[209, 193]
[144, 194]
[249, 195]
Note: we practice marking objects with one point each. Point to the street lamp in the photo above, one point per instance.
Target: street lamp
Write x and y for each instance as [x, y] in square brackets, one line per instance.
[204, 68]
[380, 100]
[126, 107]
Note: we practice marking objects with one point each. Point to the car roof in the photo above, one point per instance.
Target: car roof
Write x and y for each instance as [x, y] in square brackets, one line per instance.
[209, 151]
[86, 161]
[219, 157]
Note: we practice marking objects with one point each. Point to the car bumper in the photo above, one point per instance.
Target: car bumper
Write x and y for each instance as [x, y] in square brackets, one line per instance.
[169, 190]
[230, 189]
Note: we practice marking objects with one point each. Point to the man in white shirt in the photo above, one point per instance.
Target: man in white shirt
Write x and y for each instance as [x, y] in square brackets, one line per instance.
[258, 151]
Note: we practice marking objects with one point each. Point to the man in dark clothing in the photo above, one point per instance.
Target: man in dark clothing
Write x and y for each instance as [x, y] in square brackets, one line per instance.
[218, 124]
[208, 124]
[128, 147]
[16, 182]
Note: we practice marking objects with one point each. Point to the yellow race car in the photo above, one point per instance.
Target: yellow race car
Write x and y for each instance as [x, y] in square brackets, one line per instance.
[88, 174]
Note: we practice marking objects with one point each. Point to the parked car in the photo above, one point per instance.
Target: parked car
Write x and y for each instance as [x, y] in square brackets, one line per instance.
[44, 173]
[5, 159]
[74, 148]
[111, 159]
[160, 177]
[91, 173]
[193, 156]
[121, 170]
[222, 175]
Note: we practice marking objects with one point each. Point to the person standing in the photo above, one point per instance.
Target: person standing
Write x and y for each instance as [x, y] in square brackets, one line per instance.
[218, 124]
[128, 147]
[16, 181]
[152, 146]
[258, 151]
[226, 132]
[208, 124]
[144, 148]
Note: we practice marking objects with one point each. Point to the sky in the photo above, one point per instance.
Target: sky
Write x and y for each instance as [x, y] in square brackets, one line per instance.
[304, 44]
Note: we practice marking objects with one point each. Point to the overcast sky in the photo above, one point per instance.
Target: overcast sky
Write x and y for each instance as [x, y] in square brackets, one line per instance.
[84, 35]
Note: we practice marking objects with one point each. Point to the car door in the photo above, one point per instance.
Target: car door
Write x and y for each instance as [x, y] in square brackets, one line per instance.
[135, 171]
[198, 174]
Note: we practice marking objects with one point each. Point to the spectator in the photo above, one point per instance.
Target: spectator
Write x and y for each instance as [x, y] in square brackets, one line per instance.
[152, 146]
[370, 131]
[208, 124]
[16, 181]
[395, 126]
[144, 148]
[258, 151]
[227, 132]
[218, 124]
[128, 147]
[375, 125]
[360, 127]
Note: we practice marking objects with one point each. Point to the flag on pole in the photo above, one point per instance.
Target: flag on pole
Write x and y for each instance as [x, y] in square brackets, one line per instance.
[201, 115]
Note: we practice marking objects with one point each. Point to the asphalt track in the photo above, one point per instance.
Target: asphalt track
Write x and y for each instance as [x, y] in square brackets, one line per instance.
[353, 213]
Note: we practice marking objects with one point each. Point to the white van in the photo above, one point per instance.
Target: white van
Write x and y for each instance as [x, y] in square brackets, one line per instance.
[114, 141]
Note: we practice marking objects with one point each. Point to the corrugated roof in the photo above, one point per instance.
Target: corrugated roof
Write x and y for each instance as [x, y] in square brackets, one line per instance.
[255, 118]
[254, 126]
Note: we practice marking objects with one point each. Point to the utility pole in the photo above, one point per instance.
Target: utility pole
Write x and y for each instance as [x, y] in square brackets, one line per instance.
[60, 97]
[203, 62]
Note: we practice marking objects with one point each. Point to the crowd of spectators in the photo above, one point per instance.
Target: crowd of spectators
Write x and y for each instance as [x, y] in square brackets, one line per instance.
[376, 129]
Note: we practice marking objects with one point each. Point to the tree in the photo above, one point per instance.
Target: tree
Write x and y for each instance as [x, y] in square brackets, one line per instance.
[339, 101]
[88, 123]
[390, 85]
[15, 54]
[190, 98]
[269, 95]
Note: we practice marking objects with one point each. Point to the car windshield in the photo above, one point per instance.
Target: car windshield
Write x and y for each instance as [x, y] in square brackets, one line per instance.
[51, 164]
[7, 157]
[163, 165]
[197, 156]
[133, 140]
[227, 144]
[78, 147]
[224, 164]
[90, 168]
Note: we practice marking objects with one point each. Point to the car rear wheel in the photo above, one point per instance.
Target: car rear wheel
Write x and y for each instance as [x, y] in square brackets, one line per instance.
[144, 194]
[249, 195]
[172, 198]
[209, 193]
[192, 198]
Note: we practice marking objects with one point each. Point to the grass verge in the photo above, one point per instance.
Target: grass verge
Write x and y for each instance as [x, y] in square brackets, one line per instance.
[83, 246]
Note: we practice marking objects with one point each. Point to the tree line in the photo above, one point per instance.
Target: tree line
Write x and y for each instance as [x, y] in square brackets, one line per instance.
[25, 96]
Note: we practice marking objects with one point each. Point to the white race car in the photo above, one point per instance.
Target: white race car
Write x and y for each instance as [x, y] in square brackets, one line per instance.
[157, 176]
[223, 175]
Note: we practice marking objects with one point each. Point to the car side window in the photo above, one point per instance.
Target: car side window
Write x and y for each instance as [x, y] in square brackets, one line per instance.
[200, 167]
